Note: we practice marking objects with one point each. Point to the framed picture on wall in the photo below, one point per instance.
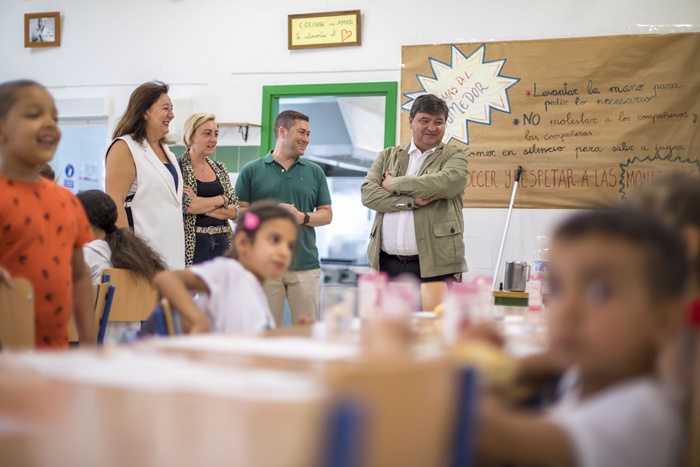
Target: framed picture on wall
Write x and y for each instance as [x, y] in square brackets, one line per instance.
[42, 29]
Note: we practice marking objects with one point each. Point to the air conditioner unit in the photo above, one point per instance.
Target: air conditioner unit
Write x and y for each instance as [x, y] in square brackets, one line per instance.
[96, 108]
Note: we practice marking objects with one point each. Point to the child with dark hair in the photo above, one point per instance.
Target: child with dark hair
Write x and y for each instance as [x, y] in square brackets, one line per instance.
[42, 226]
[675, 197]
[617, 280]
[114, 247]
[232, 297]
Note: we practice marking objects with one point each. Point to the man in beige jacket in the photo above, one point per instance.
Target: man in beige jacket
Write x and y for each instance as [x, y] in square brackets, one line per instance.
[417, 189]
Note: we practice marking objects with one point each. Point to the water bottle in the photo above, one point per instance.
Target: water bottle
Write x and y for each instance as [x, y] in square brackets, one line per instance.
[539, 263]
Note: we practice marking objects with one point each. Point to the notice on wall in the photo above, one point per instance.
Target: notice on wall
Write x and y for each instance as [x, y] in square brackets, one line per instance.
[588, 119]
[329, 29]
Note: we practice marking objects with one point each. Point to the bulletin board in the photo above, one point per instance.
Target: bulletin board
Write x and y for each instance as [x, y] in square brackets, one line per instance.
[588, 119]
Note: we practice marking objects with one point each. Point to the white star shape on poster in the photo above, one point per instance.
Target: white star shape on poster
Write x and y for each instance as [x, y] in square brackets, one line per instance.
[469, 86]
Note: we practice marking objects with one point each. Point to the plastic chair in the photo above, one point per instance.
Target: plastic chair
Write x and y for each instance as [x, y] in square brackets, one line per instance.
[343, 443]
[106, 311]
[163, 321]
[103, 294]
[17, 326]
[408, 411]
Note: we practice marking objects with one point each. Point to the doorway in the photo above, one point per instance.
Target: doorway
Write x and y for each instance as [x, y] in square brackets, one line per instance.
[350, 124]
[354, 101]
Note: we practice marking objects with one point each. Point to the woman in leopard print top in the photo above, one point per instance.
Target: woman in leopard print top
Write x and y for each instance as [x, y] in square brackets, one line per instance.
[208, 199]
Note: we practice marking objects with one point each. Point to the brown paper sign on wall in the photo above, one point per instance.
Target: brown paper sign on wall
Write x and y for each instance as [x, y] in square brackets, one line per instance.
[589, 119]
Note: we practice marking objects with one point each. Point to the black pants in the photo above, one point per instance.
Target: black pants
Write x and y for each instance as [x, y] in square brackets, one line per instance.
[208, 246]
[394, 267]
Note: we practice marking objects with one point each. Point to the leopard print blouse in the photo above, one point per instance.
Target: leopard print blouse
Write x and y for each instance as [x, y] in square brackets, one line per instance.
[190, 180]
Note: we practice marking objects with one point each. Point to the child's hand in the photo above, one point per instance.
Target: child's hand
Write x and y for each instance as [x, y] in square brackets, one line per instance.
[486, 332]
[5, 277]
[200, 327]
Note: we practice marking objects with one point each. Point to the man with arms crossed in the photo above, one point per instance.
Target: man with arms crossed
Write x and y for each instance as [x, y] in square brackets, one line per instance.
[299, 186]
[417, 189]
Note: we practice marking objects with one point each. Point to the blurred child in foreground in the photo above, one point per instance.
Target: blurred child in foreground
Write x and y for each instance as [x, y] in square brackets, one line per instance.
[617, 282]
[675, 197]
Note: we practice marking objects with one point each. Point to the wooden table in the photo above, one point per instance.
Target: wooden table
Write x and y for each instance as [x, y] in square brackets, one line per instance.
[75, 423]
[45, 420]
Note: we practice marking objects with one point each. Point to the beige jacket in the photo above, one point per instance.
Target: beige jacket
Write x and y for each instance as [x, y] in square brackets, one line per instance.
[440, 224]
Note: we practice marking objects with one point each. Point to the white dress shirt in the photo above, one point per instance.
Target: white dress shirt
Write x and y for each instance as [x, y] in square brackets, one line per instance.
[398, 230]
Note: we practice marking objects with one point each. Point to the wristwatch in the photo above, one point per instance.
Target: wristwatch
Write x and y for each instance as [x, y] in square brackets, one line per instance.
[307, 218]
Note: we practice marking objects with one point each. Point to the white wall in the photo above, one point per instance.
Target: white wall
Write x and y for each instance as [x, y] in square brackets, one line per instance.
[218, 54]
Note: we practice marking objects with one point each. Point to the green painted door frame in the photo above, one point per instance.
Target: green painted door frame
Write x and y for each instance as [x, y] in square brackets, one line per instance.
[272, 95]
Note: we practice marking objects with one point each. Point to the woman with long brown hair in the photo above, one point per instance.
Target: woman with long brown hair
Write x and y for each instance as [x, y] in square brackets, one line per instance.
[142, 175]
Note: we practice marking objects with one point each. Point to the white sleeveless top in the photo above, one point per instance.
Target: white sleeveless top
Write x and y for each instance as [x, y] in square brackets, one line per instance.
[157, 206]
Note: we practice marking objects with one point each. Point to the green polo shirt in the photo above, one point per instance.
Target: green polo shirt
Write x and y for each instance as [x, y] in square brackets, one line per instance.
[303, 185]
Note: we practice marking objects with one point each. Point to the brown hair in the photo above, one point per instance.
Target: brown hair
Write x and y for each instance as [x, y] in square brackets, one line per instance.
[665, 254]
[260, 212]
[133, 122]
[9, 92]
[675, 197]
[287, 119]
[128, 251]
[46, 171]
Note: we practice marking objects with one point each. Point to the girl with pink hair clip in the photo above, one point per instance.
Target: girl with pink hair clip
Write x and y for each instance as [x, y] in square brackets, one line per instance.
[231, 297]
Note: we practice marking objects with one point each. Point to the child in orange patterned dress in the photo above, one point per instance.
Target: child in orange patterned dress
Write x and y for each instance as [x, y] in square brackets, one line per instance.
[42, 225]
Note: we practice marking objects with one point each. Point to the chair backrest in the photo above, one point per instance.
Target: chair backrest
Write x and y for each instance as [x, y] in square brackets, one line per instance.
[173, 324]
[17, 324]
[408, 410]
[163, 321]
[134, 298]
[432, 294]
[103, 306]
[101, 298]
[464, 435]
[342, 445]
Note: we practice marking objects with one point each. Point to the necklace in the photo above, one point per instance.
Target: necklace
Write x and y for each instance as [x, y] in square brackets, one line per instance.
[201, 171]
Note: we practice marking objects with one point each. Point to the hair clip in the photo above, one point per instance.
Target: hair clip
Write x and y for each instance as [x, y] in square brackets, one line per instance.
[251, 221]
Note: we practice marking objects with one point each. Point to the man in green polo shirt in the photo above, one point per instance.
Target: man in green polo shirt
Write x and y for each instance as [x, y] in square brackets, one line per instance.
[299, 186]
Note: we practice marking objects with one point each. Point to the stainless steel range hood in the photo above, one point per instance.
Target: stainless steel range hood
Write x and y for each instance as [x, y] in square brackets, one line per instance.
[347, 133]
